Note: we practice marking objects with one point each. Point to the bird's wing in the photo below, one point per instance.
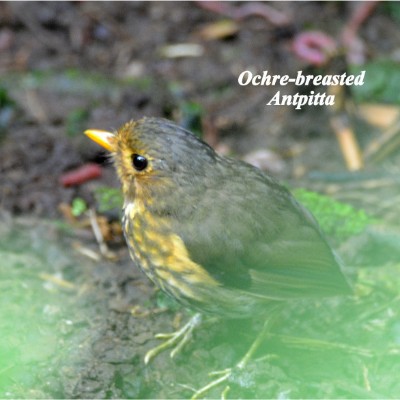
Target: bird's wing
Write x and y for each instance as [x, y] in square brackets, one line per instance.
[271, 248]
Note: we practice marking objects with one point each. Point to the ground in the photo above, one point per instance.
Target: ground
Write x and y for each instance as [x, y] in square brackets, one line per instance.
[77, 325]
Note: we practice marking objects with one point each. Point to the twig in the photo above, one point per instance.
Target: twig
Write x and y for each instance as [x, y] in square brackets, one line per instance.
[321, 344]
[265, 11]
[89, 253]
[104, 250]
[386, 144]
[57, 281]
[348, 143]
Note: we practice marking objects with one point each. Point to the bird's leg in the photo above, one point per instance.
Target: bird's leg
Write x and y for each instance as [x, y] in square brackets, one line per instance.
[224, 375]
[177, 339]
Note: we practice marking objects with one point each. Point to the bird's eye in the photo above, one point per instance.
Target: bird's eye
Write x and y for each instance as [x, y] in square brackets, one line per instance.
[139, 162]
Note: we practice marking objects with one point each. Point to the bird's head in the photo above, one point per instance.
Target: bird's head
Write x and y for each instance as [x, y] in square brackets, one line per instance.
[154, 156]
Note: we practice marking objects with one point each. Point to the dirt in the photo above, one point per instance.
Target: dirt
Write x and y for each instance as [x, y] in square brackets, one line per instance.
[68, 66]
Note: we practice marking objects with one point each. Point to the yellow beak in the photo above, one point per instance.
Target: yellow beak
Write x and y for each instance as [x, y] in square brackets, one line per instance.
[103, 138]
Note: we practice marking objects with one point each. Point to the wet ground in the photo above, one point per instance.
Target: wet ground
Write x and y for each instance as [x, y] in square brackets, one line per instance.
[76, 325]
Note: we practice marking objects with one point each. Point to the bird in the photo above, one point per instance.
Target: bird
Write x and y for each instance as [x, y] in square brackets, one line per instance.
[217, 234]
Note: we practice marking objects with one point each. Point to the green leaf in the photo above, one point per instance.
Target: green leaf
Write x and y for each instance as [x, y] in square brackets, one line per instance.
[381, 83]
[79, 206]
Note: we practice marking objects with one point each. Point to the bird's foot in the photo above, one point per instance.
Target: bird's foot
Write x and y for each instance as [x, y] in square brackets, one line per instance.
[175, 340]
[222, 376]
[226, 374]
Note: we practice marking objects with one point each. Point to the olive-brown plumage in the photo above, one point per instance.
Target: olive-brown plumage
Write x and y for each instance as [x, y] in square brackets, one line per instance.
[217, 234]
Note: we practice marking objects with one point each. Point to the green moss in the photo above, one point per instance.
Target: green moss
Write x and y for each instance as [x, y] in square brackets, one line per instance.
[338, 220]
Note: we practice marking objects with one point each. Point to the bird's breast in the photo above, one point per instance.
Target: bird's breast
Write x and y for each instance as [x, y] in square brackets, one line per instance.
[162, 254]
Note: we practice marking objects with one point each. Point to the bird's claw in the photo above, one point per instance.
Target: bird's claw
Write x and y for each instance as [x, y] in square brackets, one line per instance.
[224, 376]
[177, 339]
